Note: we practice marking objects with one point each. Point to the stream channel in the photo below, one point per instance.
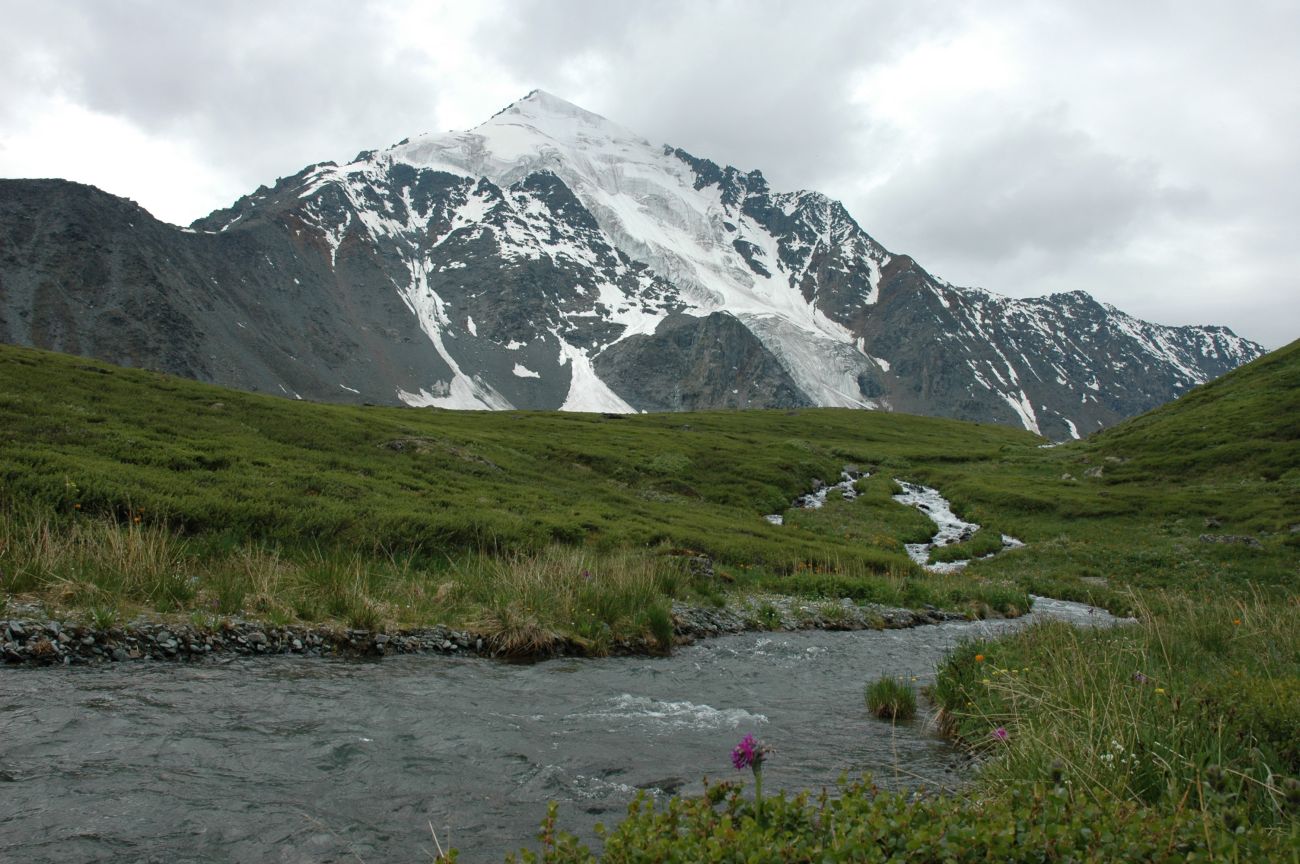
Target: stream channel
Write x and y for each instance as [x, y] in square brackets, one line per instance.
[294, 759]
[297, 759]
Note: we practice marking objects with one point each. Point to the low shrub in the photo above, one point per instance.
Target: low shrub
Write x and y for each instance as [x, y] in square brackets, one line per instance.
[768, 617]
[1262, 712]
[1032, 822]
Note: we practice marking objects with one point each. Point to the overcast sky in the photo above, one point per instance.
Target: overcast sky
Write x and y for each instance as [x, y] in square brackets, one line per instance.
[1143, 152]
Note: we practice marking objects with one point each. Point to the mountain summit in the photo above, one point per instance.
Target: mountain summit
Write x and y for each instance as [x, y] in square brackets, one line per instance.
[550, 258]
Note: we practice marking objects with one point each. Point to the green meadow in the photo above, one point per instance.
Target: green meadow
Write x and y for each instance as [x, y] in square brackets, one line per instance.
[126, 492]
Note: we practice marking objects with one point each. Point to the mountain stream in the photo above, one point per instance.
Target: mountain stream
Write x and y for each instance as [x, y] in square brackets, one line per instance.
[296, 760]
[307, 760]
[950, 528]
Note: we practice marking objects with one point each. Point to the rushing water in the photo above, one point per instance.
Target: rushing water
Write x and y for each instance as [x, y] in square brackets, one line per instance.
[296, 760]
[951, 528]
[817, 499]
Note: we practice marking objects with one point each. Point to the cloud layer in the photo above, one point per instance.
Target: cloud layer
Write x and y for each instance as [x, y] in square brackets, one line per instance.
[1141, 153]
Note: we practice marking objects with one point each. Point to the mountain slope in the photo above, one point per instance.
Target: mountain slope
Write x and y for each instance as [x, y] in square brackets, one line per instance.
[1243, 425]
[552, 259]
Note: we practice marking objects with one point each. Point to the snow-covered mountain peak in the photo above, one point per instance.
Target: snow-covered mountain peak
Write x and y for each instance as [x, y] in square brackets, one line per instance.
[549, 254]
[538, 132]
[791, 266]
[557, 118]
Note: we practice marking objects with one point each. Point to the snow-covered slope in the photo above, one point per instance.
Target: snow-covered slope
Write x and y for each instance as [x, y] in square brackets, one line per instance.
[550, 258]
[651, 204]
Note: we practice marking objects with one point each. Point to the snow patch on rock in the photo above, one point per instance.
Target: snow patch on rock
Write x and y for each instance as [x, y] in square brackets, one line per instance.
[586, 391]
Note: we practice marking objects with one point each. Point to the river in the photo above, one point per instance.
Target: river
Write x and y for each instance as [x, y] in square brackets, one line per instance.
[307, 760]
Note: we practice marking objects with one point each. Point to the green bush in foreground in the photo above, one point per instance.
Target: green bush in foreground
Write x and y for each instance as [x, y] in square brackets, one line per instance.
[891, 699]
[1036, 822]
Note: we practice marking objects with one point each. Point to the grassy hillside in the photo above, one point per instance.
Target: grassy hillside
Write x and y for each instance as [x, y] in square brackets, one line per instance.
[211, 461]
[408, 494]
[1243, 426]
[124, 488]
[1202, 494]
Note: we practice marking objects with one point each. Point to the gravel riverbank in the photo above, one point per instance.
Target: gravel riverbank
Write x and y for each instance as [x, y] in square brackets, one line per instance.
[31, 636]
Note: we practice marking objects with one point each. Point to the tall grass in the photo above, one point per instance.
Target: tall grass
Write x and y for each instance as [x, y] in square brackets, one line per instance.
[529, 601]
[891, 699]
[524, 603]
[1195, 706]
[977, 595]
[85, 561]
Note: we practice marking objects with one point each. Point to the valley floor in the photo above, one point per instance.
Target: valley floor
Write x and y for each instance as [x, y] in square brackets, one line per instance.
[127, 493]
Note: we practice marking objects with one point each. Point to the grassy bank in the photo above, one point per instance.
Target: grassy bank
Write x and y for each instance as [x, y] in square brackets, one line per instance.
[1196, 703]
[525, 601]
[105, 572]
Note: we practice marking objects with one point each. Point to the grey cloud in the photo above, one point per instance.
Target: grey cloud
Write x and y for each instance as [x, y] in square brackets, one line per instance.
[757, 85]
[1032, 185]
[1134, 129]
[262, 87]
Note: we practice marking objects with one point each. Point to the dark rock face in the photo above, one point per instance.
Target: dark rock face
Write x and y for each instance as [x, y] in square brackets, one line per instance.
[437, 273]
[87, 273]
[1065, 363]
[696, 364]
[65, 252]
